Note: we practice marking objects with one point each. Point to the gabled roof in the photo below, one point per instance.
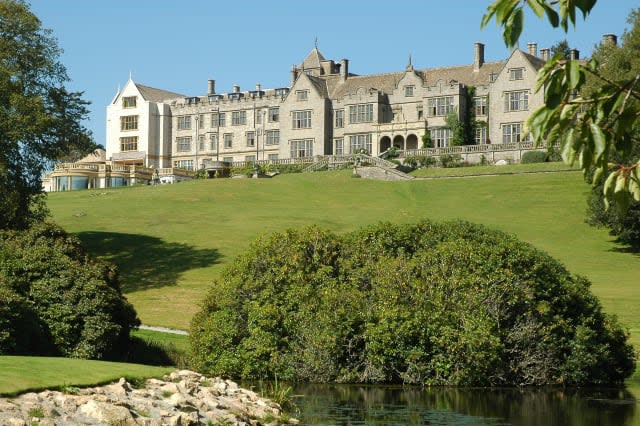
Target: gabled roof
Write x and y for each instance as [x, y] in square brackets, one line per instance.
[534, 60]
[463, 74]
[313, 59]
[156, 95]
[320, 85]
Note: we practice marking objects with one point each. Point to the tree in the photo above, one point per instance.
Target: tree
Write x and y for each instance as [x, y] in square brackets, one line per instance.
[428, 303]
[40, 120]
[55, 300]
[617, 63]
[561, 48]
[590, 127]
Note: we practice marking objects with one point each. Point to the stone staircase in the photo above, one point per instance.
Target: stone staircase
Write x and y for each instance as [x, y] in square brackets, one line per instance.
[365, 165]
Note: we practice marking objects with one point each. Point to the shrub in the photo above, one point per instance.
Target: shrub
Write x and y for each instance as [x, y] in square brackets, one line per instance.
[451, 160]
[411, 161]
[54, 300]
[431, 303]
[530, 157]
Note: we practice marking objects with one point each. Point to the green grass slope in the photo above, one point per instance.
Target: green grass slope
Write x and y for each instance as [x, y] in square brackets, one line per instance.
[19, 374]
[171, 241]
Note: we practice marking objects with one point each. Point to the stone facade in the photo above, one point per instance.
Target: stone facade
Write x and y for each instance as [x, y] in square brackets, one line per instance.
[325, 110]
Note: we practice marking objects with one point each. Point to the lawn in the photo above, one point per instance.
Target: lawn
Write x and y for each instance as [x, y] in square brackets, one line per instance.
[171, 241]
[20, 374]
[508, 169]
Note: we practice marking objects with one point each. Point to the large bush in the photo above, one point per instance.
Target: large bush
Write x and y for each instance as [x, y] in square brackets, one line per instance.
[530, 157]
[430, 303]
[54, 300]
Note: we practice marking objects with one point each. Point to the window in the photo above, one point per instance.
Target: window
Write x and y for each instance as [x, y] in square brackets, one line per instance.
[274, 114]
[183, 144]
[228, 140]
[301, 119]
[238, 118]
[218, 119]
[273, 137]
[493, 77]
[302, 95]
[201, 143]
[480, 105]
[258, 117]
[481, 135]
[420, 114]
[440, 106]
[251, 138]
[516, 73]
[339, 116]
[129, 122]
[201, 121]
[184, 122]
[302, 148]
[272, 157]
[360, 113]
[129, 143]
[183, 164]
[213, 141]
[516, 101]
[408, 91]
[512, 132]
[359, 142]
[250, 158]
[440, 136]
[227, 159]
[129, 102]
[339, 147]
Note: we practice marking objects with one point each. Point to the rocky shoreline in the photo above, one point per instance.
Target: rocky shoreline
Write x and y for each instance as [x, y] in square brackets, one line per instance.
[182, 398]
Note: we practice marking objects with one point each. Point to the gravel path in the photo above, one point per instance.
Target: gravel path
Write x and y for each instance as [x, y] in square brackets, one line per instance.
[164, 329]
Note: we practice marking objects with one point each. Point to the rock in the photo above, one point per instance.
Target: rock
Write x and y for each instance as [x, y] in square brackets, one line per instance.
[110, 414]
[177, 400]
[16, 422]
[501, 163]
[184, 419]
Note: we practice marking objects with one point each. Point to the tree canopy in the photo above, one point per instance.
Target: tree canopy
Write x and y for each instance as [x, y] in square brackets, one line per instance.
[40, 120]
[592, 126]
[429, 303]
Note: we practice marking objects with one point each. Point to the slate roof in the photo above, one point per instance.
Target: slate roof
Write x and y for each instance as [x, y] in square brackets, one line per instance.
[388, 82]
[156, 95]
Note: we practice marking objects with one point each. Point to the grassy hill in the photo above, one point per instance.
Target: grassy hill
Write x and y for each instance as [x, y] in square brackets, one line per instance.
[171, 241]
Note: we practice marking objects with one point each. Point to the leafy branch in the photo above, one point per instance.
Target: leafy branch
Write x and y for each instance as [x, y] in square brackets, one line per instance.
[589, 127]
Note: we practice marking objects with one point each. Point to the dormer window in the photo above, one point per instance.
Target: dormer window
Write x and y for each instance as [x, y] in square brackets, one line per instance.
[493, 76]
[408, 91]
[129, 102]
[302, 95]
[516, 73]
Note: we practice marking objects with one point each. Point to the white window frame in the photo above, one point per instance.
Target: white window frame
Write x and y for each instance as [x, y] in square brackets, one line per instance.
[228, 140]
[440, 106]
[273, 137]
[128, 143]
[250, 138]
[361, 113]
[239, 118]
[339, 146]
[183, 144]
[516, 74]
[129, 101]
[128, 123]
[480, 106]
[302, 95]
[301, 148]
[339, 118]
[358, 142]
[301, 119]
[184, 122]
[517, 100]
[274, 114]
[440, 136]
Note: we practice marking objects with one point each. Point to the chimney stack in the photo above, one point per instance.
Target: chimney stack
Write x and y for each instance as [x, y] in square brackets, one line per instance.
[610, 38]
[533, 49]
[294, 74]
[574, 54]
[544, 54]
[344, 69]
[236, 88]
[258, 87]
[211, 87]
[478, 58]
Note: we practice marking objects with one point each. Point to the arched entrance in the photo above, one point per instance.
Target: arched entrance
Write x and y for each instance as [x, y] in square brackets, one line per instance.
[385, 143]
[398, 142]
[412, 141]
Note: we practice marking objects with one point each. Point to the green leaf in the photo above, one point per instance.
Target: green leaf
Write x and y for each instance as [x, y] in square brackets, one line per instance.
[599, 139]
[537, 7]
[552, 15]
[621, 183]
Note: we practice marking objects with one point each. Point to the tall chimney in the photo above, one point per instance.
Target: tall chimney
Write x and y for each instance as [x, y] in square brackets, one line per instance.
[574, 54]
[258, 87]
[236, 88]
[610, 38]
[478, 58]
[544, 54]
[294, 74]
[211, 87]
[344, 69]
[533, 49]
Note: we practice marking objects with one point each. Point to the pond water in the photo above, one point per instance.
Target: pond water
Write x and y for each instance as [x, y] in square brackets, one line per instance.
[397, 405]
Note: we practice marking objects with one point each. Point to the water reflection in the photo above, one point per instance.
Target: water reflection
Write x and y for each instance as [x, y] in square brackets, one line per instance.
[388, 405]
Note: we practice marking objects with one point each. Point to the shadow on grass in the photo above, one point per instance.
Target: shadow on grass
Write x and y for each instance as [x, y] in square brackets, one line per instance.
[147, 262]
[625, 247]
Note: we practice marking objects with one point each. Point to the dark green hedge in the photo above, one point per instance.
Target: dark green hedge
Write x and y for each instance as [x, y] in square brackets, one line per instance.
[530, 157]
[431, 303]
[55, 300]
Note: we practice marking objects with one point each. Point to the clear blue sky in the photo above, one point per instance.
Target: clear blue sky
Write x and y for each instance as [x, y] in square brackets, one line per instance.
[178, 45]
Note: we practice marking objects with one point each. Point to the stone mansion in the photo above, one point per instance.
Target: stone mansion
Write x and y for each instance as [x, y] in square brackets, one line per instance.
[325, 110]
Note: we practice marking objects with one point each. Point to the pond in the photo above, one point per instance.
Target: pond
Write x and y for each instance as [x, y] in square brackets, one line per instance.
[398, 405]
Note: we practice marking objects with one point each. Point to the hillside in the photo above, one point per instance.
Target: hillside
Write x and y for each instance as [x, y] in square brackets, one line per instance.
[171, 241]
